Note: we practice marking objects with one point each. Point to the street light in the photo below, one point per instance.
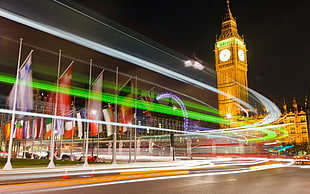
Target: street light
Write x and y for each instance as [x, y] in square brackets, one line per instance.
[228, 116]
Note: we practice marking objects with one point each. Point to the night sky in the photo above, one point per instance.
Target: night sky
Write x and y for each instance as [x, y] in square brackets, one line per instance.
[276, 33]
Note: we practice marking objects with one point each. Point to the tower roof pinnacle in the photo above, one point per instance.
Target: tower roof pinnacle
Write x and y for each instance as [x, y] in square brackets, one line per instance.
[228, 15]
[229, 25]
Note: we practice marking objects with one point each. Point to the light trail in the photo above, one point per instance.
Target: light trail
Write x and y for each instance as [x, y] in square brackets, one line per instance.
[155, 107]
[112, 52]
[141, 176]
[106, 97]
[272, 110]
[95, 121]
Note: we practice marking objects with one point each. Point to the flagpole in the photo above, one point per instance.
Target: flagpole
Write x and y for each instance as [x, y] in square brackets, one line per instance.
[41, 135]
[8, 165]
[130, 144]
[51, 163]
[61, 137]
[86, 165]
[115, 119]
[130, 132]
[98, 127]
[124, 84]
[135, 132]
[92, 84]
[25, 61]
[66, 69]
[33, 129]
[73, 129]
[149, 91]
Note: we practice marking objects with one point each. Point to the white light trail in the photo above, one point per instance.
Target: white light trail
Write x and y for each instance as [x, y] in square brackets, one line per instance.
[272, 110]
[111, 52]
[236, 171]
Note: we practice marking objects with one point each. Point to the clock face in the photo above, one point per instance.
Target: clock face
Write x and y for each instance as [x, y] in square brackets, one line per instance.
[241, 54]
[225, 55]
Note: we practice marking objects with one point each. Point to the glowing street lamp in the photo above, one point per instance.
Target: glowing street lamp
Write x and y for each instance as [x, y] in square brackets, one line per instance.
[228, 116]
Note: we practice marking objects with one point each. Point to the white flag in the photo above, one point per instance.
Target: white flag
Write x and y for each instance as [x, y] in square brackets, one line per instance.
[79, 125]
[24, 101]
[108, 117]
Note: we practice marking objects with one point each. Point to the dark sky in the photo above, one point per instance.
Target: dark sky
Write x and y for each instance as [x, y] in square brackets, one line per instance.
[276, 33]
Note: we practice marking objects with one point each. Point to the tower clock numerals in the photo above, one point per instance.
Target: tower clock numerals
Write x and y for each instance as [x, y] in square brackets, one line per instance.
[225, 55]
[241, 54]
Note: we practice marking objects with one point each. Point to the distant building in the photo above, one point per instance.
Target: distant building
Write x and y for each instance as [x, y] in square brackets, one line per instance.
[296, 118]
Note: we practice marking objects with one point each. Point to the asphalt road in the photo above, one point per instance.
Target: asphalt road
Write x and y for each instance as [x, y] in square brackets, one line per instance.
[280, 180]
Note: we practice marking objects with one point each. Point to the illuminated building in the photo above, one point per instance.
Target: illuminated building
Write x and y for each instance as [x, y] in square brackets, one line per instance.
[231, 67]
[296, 118]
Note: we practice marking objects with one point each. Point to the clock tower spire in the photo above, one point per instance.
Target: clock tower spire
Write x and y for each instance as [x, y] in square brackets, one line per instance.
[229, 25]
[231, 67]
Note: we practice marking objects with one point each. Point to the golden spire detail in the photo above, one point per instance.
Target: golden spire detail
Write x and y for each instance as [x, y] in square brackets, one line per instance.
[229, 25]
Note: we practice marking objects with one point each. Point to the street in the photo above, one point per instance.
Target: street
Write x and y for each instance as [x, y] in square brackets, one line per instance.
[187, 176]
[281, 180]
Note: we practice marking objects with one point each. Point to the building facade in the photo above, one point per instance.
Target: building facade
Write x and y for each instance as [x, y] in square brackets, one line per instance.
[231, 67]
[295, 118]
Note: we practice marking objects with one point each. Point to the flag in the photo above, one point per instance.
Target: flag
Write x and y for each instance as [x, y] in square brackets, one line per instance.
[49, 109]
[14, 130]
[19, 130]
[34, 131]
[63, 100]
[27, 129]
[49, 126]
[82, 125]
[64, 97]
[36, 128]
[126, 113]
[24, 100]
[95, 105]
[7, 130]
[69, 128]
[41, 127]
[79, 125]
[59, 127]
[108, 117]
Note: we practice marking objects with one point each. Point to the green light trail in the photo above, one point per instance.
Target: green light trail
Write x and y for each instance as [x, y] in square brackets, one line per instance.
[155, 107]
[110, 98]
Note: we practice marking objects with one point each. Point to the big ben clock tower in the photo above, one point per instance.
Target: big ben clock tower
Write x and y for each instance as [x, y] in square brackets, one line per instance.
[231, 67]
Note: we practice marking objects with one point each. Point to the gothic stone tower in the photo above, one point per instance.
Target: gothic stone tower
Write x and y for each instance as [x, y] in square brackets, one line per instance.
[231, 67]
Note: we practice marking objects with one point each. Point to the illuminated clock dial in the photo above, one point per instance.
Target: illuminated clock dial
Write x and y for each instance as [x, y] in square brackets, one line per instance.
[241, 54]
[225, 55]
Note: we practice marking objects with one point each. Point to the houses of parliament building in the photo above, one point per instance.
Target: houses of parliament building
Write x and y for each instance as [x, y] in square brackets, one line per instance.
[231, 66]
